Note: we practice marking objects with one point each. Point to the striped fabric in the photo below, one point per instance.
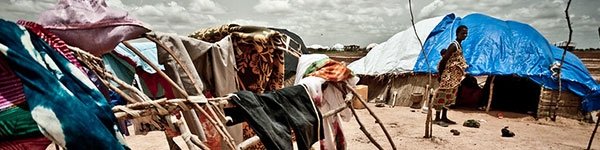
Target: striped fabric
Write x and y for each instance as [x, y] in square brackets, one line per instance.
[65, 104]
[33, 143]
[11, 89]
[17, 122]
[54, 41]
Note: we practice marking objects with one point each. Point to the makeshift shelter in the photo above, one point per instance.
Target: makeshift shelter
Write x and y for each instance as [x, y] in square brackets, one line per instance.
[495, 47]
[47, 83]
[388, 68]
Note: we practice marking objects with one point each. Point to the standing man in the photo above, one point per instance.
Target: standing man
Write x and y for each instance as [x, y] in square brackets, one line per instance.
[451, 70]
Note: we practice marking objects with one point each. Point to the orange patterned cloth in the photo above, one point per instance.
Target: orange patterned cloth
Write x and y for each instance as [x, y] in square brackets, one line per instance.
[333, 70]
[453, 74]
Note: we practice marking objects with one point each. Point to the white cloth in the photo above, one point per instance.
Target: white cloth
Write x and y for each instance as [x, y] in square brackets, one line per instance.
[327, 99]
[304, 62]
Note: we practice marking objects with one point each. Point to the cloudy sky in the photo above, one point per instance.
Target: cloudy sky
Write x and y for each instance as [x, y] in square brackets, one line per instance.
[327, 22]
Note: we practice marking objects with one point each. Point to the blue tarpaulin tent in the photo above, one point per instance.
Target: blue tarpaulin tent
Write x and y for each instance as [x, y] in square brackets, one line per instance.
[498, 47]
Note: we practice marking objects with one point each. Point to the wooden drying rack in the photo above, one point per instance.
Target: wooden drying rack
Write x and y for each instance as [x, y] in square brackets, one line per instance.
[141, 105]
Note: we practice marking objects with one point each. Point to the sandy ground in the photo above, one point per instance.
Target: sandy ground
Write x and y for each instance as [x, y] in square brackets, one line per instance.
[407, 129]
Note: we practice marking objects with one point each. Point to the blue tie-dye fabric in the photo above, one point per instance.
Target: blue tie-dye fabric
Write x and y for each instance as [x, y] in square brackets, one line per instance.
[68, 108]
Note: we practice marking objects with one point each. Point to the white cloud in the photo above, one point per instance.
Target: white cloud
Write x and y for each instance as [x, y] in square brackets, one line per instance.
[273, 6]
[117, 4]
[375, 11]
[250, 22]
[24, 9]
[206, 6]
[172, 17]
[428, 11]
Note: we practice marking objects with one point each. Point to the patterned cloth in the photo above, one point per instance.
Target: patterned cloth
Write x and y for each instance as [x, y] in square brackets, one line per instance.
[213, 34]
[16, 122]
[329, 70]
[11, 88]
[451, 77]
[57, 92]
[59, 45]
[259, 66]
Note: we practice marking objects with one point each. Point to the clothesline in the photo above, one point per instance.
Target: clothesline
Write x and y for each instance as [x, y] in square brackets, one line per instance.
[148, 107]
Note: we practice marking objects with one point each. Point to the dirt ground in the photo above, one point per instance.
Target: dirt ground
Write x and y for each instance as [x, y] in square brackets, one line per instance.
[407, 129]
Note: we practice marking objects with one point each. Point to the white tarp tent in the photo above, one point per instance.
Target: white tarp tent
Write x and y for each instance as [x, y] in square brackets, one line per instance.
[396, 55]
[338, 47]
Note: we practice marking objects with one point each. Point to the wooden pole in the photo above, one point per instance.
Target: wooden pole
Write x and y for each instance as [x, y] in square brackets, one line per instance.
[539, 110]
[593, 133]
[155, 67]
[177, 60]
[362, 128]
[248, 143]
[598, 120]
[361, 100]
[217, 123]
[487, 109]
[190, 139]
[428, 123]
[562, 60]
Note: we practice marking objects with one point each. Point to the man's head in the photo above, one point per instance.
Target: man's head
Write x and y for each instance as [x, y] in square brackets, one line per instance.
[461, 32]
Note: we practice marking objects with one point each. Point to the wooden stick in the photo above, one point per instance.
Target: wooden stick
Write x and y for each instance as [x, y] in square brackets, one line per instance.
[220, 129]
[362, 128]
[248, 143]
[361, 100]
[190, 139]
[593, 133]
[144, 112]
[336, 110]
[125, 85]
[428, 123]
[487, 109]
[171, 142]
[96, 69]
[224, 132]
[155, 67]
[118, 91]
[539, 114]
[562, 60]
[193, 120]
[222, 126]
[177, 60]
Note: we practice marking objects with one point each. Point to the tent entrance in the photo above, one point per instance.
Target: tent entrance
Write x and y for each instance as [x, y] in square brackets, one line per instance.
[512, 93]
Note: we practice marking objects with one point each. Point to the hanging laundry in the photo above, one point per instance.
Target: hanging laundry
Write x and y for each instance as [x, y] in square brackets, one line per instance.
[306, 61]
[271, 116]
[91, 25]
[259, 64]
[148, 49]
[314, 70]
[329, 69]
[57, 92]
[211, 63]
